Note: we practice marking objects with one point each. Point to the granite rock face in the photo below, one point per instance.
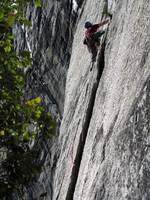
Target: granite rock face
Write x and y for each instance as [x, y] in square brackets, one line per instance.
[53, 26]
[106, 124]
[49, 40]
[103, 148]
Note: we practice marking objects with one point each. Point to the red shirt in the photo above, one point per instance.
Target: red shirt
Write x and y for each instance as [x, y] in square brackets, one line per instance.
[91, 30]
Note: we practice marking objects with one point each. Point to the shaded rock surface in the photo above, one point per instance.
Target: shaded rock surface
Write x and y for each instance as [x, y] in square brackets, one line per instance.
[102, 151]
[49, 40]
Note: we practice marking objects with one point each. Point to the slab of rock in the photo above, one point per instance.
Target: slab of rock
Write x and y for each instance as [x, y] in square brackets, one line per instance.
[102, 152]
[50, 40]
[115, 125]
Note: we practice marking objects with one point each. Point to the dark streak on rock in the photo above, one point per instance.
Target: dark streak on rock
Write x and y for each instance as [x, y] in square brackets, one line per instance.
[83, 135]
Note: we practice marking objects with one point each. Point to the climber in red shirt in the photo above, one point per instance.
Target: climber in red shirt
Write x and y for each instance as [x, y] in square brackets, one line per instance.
[92, 36]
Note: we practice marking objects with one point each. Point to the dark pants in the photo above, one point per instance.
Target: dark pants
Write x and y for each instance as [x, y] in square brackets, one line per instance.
[94, 43]
[97, 35]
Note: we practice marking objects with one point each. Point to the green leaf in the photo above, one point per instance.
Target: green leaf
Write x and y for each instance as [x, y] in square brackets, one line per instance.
[1, 15]
[26, 22]
[7, 49]
[34, 102]
[26, 136]
[2, 133]
[38, 114]
[25, 54]
[38, 100]
[11, 19]
[37, 3]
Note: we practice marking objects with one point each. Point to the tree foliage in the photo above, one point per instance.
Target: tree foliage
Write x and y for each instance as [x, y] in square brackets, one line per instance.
[21, 120]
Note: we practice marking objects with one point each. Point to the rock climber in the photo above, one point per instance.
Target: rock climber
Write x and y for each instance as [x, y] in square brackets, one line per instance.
[92, 36]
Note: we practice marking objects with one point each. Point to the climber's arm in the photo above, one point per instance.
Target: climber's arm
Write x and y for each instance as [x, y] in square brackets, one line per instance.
[103, 23]
[94, 28]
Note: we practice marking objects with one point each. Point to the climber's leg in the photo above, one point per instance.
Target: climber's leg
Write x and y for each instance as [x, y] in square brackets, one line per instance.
[96, 37]
[94, 53]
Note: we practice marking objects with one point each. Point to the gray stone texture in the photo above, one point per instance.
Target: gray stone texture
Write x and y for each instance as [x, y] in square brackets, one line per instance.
[49, 40]
[115, 124]
[103, 148]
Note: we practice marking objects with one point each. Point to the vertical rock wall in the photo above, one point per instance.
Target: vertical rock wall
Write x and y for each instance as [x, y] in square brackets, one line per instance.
[49, 40]
[102, 151]
[106, 124]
